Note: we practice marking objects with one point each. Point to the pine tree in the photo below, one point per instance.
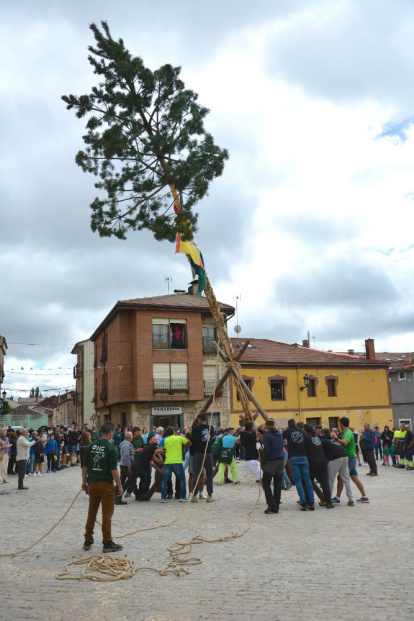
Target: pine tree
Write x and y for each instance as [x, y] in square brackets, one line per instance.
[146, 142]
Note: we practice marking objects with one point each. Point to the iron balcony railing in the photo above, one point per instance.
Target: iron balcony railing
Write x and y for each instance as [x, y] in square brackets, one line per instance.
[208, 347]
[77, 371]
[170, 386]
[166, 342]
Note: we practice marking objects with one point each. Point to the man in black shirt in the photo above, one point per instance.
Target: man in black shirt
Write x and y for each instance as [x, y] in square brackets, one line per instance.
[299, 463]
[409, 448]
[318, 464]
[248, 441]
[143, 460]
[202, 441]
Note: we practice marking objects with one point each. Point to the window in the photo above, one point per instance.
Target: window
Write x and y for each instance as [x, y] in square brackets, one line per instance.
[169, 334]
[249, 383]
[311, 388]
[401, 376]
[209, 335]
[313, 421]
[331, 384]
[277, 390]
[333, 422]
[170, 378]
[210, 379]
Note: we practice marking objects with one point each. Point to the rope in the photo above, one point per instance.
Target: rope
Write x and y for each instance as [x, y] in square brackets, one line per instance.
[106, 568]
[11, 554]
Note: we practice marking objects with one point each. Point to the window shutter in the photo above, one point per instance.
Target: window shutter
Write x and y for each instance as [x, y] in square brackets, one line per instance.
[161, 370]
[178, 370]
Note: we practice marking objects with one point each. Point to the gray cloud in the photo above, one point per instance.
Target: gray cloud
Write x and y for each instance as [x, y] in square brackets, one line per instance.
[349, 51]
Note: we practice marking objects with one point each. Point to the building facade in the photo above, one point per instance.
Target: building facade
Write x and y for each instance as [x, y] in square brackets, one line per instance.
[401, 379]
[3, 352]
[83, 373]
[338, 384]
[155, 363]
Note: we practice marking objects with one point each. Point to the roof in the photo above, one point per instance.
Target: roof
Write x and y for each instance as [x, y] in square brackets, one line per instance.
[397, 361]
[176, 301]
[266, 352]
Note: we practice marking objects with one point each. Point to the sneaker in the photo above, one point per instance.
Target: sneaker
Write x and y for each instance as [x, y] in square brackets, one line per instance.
[39, 474]
[127, 495]
[270, 510]
[288, 486]
[323, 503]
[363, 499]
[373, 474]
[210, 499]
[194, 499]
[183, 499]
[236, 482]
[48, 470]
[111, 547]
[202, 496]
[303, 506]
[311, 506]
[87, 545]
[336, 500]
[228, 481]
[329, 505]
[163, 500]
[351, 503]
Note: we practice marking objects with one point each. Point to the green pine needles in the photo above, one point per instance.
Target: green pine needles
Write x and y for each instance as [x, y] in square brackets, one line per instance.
[145, 141]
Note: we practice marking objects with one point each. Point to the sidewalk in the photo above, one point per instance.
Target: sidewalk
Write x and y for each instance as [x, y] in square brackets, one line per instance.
[346, 563]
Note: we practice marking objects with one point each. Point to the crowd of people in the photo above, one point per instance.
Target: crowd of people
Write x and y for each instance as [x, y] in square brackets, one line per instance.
[318, 461]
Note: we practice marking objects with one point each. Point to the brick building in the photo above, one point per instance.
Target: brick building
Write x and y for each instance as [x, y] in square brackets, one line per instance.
[154, 362]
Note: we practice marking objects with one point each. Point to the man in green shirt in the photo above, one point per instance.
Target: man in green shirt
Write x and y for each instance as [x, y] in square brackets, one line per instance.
[137, 439]
[100, 468]
[348, 442]
[173, 448]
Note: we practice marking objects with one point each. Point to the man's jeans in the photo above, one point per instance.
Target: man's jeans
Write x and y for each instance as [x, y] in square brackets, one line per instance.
[300, 469]
[30, 464]
[178, 470]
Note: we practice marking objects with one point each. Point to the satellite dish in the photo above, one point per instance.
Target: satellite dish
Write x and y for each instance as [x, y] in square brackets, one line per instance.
[237, 329]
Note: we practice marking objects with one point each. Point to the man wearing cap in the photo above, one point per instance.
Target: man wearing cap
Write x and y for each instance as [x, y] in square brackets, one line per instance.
[273, 465]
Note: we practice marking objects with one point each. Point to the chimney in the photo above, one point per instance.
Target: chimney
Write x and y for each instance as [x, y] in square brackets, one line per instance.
[370, 349]
[305, 343]
[192, 289]
[351, 352]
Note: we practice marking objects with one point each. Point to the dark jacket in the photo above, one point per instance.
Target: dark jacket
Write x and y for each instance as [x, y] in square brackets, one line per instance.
[314, 449]
[272, 445]
[333, 450]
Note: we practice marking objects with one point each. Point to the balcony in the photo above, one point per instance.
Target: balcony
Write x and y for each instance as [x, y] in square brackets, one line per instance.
[208, 347]
[77, 399]
[170, 386]
[161, 341]
[210, 386]
[104, 394]
[77, 371]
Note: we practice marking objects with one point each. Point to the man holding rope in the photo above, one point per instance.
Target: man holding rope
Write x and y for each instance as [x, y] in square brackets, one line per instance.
[100, 466]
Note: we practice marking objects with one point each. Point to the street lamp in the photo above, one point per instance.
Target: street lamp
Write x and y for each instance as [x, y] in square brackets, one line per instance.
[306, 380]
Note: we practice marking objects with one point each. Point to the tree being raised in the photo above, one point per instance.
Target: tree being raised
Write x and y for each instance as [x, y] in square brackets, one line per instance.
[147, 144]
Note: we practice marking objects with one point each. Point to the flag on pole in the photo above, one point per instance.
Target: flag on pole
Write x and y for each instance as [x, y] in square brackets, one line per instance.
[196, 259]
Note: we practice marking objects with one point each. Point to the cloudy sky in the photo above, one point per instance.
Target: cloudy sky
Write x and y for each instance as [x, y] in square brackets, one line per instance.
[311, 224]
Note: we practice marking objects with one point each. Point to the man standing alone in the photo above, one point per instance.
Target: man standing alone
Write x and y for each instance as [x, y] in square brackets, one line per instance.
[101, 468]
[367, 444]
[23, 447]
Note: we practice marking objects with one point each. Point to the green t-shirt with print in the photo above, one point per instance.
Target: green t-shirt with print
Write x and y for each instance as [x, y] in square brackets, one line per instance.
[101, 456]
[173, 446]
[350, 447]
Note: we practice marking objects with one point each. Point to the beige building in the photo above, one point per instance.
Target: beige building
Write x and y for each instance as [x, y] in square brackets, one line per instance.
[64, 411]
[3, 351]
[83, 372]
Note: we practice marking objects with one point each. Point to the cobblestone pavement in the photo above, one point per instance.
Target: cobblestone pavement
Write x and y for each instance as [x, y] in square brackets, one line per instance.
[347, 563]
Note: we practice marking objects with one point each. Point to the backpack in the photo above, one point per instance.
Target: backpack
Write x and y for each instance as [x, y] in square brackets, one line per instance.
[217, 445]
[226, 456]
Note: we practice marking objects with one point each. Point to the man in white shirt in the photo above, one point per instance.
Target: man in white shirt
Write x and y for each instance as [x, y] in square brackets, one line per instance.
[23, 451]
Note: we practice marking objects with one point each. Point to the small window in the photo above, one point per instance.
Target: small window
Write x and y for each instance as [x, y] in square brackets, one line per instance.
[311, 388]
[401, 376]
[249, 385]
[277, 390]
[331, 384]
[209, 335]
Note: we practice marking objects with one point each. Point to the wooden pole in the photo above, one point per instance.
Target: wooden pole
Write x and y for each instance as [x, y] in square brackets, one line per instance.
[249, 393]
[222, 381]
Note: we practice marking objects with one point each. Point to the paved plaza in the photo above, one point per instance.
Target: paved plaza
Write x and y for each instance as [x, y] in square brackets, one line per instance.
[347, 563]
